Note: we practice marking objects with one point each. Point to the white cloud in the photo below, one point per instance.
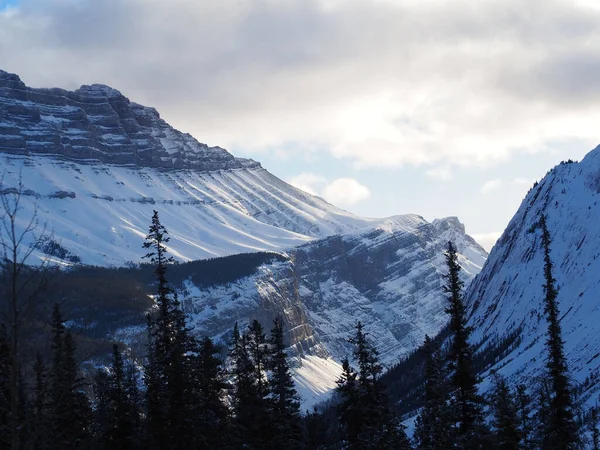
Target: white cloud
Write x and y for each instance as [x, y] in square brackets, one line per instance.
[522, 182]
[440, 173]
[345, 192]
[340, 192]
[381, 84]
[497, 184]
[491, 186]
[487, 240]
[309, 182]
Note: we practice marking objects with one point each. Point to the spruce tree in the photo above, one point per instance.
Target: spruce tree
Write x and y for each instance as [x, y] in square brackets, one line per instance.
[285, 400]
[261, 424]
[5, 389]
[102, 424]
[505, 420]
[349, 416]
[369, 420]
[70, 411]
[562, 430]
[594, 421]
[243, 395]
[524, 411]
[209, 393]
[432, 431]
[119, 408]
[167, 374]
[467, 404]
[40, 414]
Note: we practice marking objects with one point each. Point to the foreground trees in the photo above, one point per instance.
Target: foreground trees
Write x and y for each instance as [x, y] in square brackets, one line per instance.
[560, 431]
[434, 424]
[21, 285]
[365, 413]
[193, 399]
[470, 431]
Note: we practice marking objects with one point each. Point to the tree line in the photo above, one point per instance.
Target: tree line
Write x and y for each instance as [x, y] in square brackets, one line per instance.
[183, 395]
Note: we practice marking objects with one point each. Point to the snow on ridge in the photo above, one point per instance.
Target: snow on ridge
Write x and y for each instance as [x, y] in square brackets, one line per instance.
[508, 292]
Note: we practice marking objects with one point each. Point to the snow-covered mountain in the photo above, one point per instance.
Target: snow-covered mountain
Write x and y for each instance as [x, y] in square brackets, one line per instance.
[94, 165]
[507, 296]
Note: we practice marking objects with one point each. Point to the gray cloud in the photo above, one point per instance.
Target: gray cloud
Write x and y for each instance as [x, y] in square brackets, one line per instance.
[385, 82]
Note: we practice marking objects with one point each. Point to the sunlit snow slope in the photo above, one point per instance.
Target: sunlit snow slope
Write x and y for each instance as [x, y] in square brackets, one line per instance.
[96, 165]
[508, 296]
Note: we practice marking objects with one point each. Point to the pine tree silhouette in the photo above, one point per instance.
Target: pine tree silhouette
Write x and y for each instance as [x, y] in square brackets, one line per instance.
[562, 431]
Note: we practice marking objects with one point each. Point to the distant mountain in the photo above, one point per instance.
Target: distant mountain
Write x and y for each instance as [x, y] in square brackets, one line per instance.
[95, 165]
[507, 296]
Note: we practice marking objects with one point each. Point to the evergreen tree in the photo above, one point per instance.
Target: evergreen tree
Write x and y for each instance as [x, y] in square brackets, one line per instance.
[210, 386]
[243, 395]
[466, 403]
[317, 435]
[69, 407]
[368, 418]
[349, 415]
[285, 401]
[562, 431]
[505, 421]
[132, 392]
[40, 417]
[102, 413]
[5, 389]
[432, 431]
[524, 411]
[593, 425]
[261, 423]
[115, 407]
[167, 375]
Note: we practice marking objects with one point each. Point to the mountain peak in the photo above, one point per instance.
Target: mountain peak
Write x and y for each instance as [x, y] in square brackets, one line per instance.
[101, 90]
[451, 222]
[98, 123]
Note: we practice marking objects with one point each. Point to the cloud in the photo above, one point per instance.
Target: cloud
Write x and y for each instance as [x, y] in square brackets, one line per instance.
[497, 184]
[487, 240]
[346, 192]
[491, 186]
[440, 173]
[308, 182]
[381, 84]
[341, 192]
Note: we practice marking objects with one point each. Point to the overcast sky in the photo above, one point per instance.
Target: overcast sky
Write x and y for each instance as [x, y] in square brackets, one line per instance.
[382, 107]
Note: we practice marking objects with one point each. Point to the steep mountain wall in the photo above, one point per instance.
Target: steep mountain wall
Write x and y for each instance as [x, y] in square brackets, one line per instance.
[507, 295]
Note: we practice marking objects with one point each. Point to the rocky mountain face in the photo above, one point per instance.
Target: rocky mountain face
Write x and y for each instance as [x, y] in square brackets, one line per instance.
[93, 166]
[97, 164]
[507, 296]
[98, 123]
[389, 278]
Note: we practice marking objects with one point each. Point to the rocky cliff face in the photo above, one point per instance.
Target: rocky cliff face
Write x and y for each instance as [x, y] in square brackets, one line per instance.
[98, 123]
[507, 296]
[97, 164]
[390, 278]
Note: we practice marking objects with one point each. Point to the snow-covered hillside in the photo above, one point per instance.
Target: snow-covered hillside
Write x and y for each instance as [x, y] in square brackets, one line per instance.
[389, 278]
[507, 295]
[95, 165]
[101, 213]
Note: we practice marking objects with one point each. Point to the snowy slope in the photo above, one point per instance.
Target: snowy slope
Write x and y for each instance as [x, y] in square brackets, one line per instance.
[101, 213]
[389, 277]
[95, 165]
[507, 295]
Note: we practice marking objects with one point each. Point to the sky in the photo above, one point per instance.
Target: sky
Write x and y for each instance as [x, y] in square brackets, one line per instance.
[382, 107]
